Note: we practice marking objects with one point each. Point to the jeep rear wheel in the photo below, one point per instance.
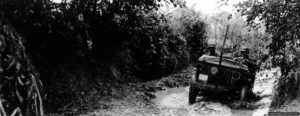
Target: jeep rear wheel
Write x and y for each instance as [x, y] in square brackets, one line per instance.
[193, 94]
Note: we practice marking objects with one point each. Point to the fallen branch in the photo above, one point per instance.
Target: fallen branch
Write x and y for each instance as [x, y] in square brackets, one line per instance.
[40, 104]
[2, 111]
[17, 110]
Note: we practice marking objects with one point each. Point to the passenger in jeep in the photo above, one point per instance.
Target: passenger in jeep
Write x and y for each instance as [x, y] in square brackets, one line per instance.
[252, 66]
[245, 59]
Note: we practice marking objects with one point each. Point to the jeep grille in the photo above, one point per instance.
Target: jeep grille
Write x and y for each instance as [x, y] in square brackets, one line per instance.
[224, 77]
[227, 76]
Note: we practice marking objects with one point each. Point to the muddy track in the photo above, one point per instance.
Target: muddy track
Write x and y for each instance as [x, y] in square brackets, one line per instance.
[174, 101]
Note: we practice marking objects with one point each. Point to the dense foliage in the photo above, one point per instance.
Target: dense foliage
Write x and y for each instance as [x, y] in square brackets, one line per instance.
[191, 26]
[281, 19]
[239, 35]
[133, 37]
[103, 30]
[19, 80]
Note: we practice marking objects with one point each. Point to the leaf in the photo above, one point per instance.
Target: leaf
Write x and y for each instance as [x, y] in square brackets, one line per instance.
[18, 95]
[18, 67]
[12, 62]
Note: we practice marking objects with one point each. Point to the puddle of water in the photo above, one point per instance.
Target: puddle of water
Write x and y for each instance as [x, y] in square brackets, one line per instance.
[241, 112]
[173, 97]
[174, 101]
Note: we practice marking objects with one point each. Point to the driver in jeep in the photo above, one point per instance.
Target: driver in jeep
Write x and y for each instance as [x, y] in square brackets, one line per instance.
[212, 50]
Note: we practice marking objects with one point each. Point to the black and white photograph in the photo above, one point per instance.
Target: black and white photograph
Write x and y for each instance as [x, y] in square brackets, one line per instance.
[149, 57]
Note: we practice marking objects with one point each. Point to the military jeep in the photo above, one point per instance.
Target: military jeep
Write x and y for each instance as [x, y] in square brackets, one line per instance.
[214, 73]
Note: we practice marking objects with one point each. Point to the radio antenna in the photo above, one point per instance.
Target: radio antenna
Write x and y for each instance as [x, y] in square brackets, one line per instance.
[222, 49]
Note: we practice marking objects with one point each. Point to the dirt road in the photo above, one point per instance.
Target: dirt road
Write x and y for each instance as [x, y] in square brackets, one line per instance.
[174, 101]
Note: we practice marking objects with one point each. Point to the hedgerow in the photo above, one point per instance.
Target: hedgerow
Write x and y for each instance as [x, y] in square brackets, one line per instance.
[133, 37]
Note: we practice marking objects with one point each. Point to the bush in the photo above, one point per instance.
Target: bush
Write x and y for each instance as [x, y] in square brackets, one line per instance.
[130, 35]
[288, 88]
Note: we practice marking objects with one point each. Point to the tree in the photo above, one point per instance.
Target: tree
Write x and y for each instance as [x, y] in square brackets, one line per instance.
[190, 25]
[281, 21]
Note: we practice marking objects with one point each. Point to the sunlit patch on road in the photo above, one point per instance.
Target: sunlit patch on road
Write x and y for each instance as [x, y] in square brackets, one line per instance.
[175, 100]
[264, 87]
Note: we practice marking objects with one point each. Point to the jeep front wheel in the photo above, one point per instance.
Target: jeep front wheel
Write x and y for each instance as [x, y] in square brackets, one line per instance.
[193, 94]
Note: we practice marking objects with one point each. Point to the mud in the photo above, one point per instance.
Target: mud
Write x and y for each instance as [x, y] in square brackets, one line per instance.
[174, 101]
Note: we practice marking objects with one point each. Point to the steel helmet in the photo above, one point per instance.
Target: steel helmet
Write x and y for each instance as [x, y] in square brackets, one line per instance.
[211, 46]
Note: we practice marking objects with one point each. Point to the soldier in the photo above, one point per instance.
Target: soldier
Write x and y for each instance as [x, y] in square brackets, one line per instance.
[212, 50]
[252, 67]
[247, 60]
[245, 56]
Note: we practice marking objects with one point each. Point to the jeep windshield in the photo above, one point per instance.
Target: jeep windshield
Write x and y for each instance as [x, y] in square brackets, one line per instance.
[228, 62]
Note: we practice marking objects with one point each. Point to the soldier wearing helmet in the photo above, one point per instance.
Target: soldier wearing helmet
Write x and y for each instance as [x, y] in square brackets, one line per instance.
[246, 60]
[245, 53]
[252, 66]
[212, 50]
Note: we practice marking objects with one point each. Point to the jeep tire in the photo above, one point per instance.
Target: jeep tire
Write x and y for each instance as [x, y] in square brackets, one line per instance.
[193, 94]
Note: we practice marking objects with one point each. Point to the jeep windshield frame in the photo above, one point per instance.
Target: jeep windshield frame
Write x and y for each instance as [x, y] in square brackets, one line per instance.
[225, 62]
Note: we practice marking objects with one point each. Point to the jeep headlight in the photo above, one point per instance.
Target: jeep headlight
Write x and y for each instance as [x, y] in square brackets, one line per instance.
[214, 70]
[236, 75]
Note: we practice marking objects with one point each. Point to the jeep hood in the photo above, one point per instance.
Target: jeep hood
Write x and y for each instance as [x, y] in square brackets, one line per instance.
[225, 62]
